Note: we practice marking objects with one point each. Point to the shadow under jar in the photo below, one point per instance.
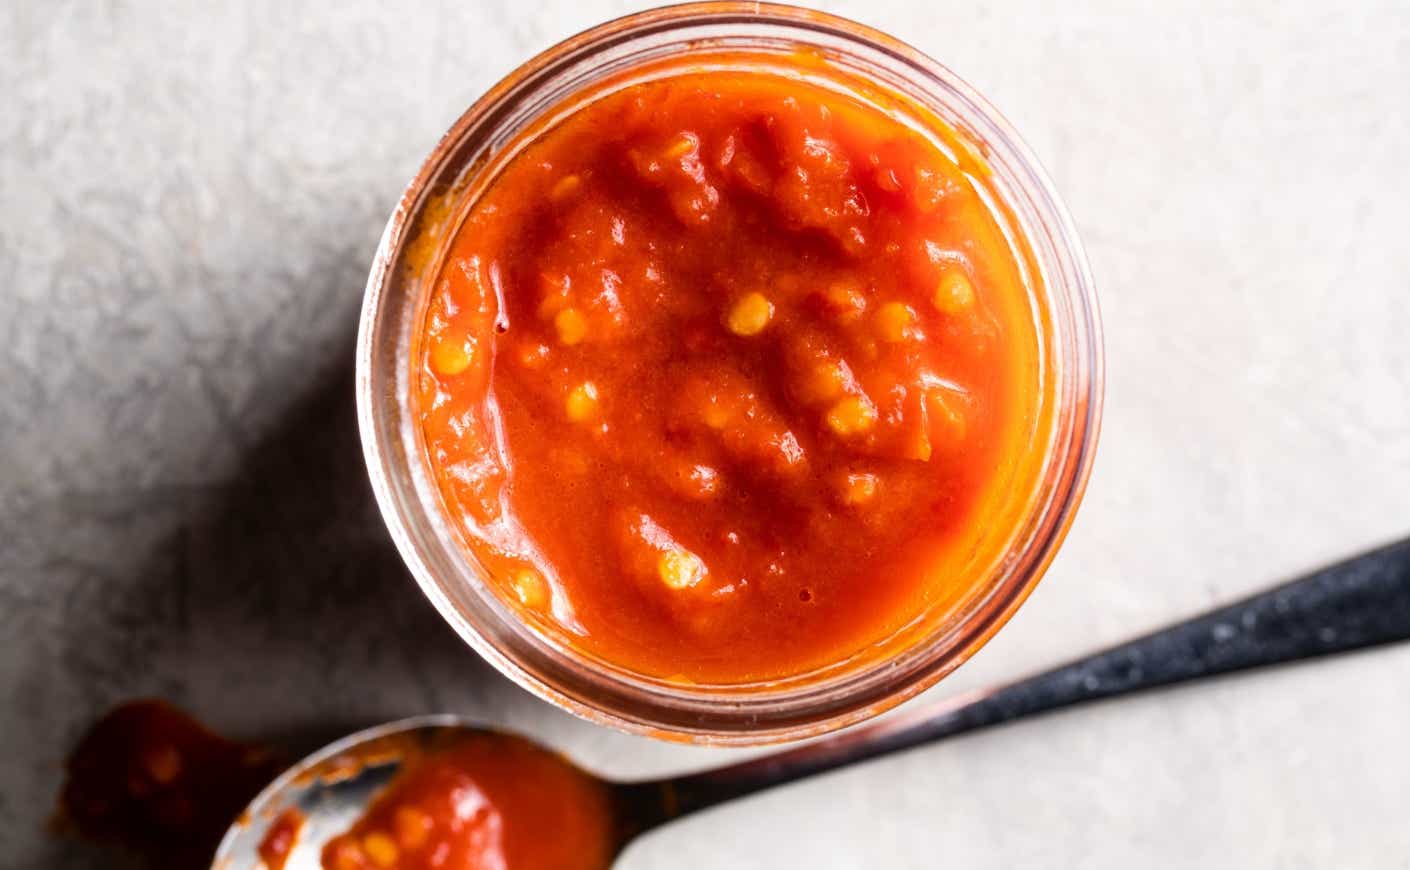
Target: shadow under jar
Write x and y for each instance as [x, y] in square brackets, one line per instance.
[729, 373]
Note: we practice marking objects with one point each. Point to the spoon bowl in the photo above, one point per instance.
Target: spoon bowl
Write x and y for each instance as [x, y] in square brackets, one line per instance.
[332, 788]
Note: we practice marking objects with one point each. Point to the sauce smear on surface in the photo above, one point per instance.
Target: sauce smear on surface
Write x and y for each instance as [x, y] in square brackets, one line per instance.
[724, 375]
[150, 779]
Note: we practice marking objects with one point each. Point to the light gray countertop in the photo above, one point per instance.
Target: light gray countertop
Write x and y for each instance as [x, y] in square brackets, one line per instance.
[190, 195]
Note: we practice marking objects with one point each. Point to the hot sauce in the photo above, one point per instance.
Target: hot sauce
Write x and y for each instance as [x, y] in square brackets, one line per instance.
[723, 373]
[489, 801]
[150, 778]
[281, 838]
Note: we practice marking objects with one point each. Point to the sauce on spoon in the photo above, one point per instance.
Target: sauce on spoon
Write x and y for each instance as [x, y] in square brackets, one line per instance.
[492, 801]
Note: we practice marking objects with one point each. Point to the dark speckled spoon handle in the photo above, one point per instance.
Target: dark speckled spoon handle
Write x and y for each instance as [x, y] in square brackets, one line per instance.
[1358, 603]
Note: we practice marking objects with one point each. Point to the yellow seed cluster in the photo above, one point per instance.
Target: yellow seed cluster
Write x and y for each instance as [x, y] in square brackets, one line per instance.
[449, 357]
[680, 146]
[750, 314]
[853, 415]
[715, 416]
[954, 294]
[581, 403]
[823, 382]
[530, 588]
[565, 187]
[680, 569]
[571, 325]
[413, 827]
[381, 849]
[894, 321]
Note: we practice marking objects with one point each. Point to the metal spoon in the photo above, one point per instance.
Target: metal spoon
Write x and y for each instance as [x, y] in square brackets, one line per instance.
[1361, 602]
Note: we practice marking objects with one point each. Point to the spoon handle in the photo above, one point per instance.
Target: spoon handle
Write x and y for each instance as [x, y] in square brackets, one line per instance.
[1357, 603]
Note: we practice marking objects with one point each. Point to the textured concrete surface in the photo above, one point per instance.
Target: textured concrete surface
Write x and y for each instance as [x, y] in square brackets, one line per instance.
[189, 198]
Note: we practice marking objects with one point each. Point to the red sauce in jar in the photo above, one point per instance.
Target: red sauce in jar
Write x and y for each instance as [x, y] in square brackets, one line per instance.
[727, 375]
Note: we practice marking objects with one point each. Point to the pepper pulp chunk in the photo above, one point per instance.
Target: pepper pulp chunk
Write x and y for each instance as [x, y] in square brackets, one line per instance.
[723, 374]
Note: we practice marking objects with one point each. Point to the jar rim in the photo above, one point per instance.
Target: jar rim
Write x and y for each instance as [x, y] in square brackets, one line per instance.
[565, 676]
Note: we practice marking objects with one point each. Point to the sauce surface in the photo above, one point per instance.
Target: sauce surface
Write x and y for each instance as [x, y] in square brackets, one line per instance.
[279, 841]
[491, 802]
[723, 376]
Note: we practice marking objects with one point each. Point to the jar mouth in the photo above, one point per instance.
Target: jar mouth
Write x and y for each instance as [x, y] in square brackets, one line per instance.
[428, 215]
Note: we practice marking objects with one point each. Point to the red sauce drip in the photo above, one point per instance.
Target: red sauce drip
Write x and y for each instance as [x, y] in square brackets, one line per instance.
[149, 778]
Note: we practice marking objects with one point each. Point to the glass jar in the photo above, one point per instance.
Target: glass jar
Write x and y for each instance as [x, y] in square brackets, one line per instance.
[1061, 450]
